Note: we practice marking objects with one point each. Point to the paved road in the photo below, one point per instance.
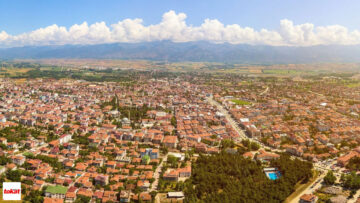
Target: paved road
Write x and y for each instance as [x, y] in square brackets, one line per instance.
[356, 196]
[266, 90]
[312, 187]
[233, 123]
[157, 174]
[317, 184]
[228, 117]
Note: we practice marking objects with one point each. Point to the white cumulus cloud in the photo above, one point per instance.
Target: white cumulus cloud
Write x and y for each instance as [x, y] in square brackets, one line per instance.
[173, 27]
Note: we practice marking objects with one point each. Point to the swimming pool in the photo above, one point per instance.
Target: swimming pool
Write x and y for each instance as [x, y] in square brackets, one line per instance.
[272, 176]
[272, 173]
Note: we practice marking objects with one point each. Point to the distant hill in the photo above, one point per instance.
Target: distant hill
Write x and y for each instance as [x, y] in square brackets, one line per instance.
[191, 51]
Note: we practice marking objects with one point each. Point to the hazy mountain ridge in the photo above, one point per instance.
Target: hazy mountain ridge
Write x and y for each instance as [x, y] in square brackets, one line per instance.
[191, 51]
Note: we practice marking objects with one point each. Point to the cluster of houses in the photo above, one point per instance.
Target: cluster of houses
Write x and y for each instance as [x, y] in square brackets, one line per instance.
[109, 157]
[108, 137]
[313, 129]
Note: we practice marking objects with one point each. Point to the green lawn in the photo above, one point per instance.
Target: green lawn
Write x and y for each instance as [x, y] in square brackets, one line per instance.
[240, 102]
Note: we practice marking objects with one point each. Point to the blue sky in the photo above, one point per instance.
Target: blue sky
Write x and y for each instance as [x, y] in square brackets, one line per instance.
[20, 16]
[25, 16]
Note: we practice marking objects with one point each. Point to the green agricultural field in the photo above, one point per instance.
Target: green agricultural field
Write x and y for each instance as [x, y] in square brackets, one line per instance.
[353, 85]
[292, 72]
[281, 71]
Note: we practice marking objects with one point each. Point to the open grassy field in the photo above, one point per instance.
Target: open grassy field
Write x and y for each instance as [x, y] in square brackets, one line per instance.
[13, 72]
[283, 71]
[353, 85]
[240, 102]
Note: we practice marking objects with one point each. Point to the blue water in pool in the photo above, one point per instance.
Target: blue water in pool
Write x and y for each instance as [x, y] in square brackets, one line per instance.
[273, 176]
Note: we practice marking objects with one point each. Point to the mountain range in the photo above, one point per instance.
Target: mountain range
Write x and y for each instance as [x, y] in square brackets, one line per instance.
[191, 51]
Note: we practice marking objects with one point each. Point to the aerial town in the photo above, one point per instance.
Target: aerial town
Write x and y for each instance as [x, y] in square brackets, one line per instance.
[204, 101]
[72, 140]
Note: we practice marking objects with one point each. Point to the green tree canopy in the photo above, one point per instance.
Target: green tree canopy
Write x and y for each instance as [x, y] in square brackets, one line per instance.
[329, 179]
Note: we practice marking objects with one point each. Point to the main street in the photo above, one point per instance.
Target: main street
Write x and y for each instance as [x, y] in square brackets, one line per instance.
[265, 91]
[228, 117]
[232, 122]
